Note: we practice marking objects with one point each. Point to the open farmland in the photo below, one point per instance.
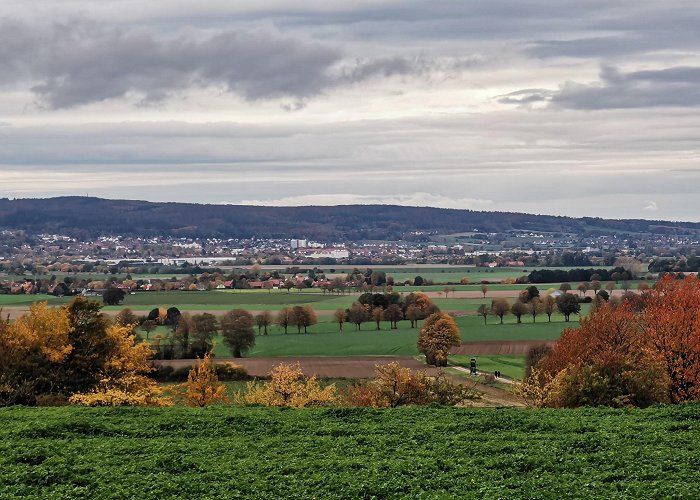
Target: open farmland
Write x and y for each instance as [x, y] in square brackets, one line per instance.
[227, 452]
[257, 300]
[324, 339]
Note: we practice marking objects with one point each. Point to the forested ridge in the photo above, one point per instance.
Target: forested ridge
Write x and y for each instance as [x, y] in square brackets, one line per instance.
[89, 217]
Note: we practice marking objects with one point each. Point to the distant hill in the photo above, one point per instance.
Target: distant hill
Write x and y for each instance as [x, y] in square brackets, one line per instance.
[90, 217]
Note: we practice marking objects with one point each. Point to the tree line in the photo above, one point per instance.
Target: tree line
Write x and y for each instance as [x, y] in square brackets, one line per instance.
[575, 275]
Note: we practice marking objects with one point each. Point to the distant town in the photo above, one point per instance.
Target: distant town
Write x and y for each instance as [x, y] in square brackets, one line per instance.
[29, 263]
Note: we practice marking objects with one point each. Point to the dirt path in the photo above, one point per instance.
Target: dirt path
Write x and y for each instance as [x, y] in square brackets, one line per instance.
[474, 294]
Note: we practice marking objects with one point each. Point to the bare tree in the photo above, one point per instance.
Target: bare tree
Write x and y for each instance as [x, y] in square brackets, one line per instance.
[518, 309]
[358, 314]
[393, 314]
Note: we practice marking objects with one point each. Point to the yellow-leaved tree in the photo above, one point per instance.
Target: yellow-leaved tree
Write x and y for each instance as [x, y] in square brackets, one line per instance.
[288, 386]
[32, 348]
[124, 379]
[437, 335]
[203, 387]
[42, 329]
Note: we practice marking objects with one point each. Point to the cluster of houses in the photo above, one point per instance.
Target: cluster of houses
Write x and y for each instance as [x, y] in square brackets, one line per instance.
[93, 288]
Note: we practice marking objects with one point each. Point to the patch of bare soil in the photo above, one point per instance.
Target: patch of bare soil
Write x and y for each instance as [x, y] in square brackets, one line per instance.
[322, 367]
[494, 347]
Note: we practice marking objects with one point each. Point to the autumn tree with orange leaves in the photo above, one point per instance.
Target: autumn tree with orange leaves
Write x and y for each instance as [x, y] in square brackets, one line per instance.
[53, 354]
[627, 353]
[671, 328]
[601, 363]
[32, 350]
[124, 379]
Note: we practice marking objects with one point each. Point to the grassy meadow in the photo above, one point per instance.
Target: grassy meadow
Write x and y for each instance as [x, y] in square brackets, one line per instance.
[324, 339]
[510, 366]
[428, 452]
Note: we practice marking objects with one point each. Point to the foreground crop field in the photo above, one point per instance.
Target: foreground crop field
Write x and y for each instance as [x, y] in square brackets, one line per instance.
[232, 452]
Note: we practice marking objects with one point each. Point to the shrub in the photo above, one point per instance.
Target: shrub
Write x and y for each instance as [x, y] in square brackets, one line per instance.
[203, 387]
[231, 371]
[395, 385]
[225, 371]
[288, 386]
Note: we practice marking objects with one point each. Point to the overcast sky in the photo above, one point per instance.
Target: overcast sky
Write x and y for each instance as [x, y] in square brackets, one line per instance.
[585, 108]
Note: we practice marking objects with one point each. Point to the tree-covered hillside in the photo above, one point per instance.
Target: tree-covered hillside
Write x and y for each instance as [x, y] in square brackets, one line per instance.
[83, 217]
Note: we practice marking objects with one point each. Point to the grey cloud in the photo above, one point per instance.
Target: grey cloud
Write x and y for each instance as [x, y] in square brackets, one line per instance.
[77, 64]
[676, 86]
[537, 153]
[590, 47]
[386, 67]
[641, 40]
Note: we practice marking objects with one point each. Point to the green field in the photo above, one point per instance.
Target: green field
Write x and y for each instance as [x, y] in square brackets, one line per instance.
[193, 301]
[510, 366]
[325, 340]
[255, 299]
[431, 452]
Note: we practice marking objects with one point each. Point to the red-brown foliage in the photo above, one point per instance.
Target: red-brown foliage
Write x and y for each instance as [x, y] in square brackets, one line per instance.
[631, 352]
[671, 328]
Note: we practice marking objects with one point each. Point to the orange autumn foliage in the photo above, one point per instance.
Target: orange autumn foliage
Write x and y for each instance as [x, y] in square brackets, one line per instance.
[635, 352]
[43, 330]
[671, 328]
[395, 385]
[600, 363]
[611, 335]
[437, 335]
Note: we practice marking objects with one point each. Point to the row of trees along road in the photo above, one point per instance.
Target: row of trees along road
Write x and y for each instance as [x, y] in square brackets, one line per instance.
[389, 307]
[567, 304]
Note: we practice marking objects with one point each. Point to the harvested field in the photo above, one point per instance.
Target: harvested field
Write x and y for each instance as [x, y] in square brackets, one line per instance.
[322, 367]
[511, 347]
